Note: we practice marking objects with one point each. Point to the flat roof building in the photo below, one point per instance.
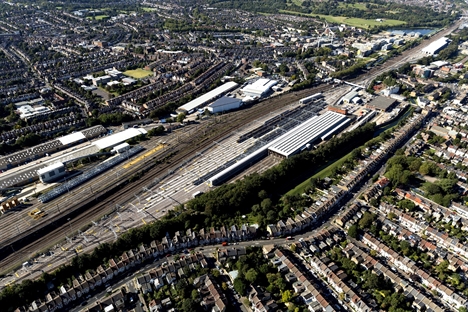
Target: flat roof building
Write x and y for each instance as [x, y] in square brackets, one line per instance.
[72, 138]
[259, 88]
[119, 137]
[224, 104]
[52, 173]
[309, 132]
[349, 96]
[382, 103]
[207, 97]
[436, 46]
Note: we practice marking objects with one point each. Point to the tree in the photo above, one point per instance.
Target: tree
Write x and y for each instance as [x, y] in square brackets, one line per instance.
[194, 294]
[371, 281]
[374, 202]
[224, 286]
[353, 231]
[189, 305]
[366, 220]
[251, 275]
[286, 296]
[180, 117]
[407, 205]
[405, 247]
[293, 247]
[425, 169]
[432, 188]
[266, 205]
[240, 286]
[215, 273]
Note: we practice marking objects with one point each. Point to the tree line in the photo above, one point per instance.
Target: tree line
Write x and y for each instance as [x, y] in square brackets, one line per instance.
[215, 208]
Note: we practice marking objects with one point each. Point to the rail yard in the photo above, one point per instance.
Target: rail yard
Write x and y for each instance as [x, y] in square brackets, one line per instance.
[24, 237]
[231, 156]
[183, 147]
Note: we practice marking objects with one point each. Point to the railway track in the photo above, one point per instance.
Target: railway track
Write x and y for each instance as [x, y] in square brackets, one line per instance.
[103, 203]
[44, 236]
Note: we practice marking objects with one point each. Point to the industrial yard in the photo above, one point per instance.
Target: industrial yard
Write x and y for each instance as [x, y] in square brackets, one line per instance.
[226, 156]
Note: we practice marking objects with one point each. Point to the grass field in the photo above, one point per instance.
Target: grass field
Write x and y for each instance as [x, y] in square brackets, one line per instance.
[325, 171]
[356, 22]
[146, 9]
[138, 73]
[98, 17]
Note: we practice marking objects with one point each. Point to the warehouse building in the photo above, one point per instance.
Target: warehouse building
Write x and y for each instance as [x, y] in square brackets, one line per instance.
[224, 104]
[350, 96]
[259, 88]
[121, 148]
[436, 46]
[308, 133]
[117, 138]
[207, 98]
[324, 126]
[382, 103]
[52, 173]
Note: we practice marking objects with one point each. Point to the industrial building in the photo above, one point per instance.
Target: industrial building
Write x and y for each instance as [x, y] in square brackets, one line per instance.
[118, 138]
[224, 104]
[259, 88]
[295, 140]
[307, 133]
[207, 98]
[121, 148]
[29, 174]
[52, 173]
[382, 103]
[338, 109]
[44, 149]
[350, 96]
[436, 46]
[310, 98]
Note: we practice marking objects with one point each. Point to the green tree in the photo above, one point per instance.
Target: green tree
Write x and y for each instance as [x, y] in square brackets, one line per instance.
[180, 117]
[366, 220]
[189, 305]
[251, 275]
[194, 294]
[286, 296]
[353, 231]
[240, 286]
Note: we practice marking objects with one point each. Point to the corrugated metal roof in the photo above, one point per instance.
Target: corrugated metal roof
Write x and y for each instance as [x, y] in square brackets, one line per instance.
[213, 94]
[289, 143]
[119, 137]
[72, 138]
[260, 86]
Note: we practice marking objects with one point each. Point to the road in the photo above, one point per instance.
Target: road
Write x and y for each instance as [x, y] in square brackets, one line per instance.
[168, 200]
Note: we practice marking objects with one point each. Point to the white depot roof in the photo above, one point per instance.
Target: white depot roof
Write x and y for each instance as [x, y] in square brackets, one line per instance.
[50, 168]
[291, 142]
[207, 97]
[123, 145]
[119, 137]
[72, 138]
[436, 45]
[260, 86]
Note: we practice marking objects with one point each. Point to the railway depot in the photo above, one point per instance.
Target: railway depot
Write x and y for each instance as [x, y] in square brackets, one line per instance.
[286, 131]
